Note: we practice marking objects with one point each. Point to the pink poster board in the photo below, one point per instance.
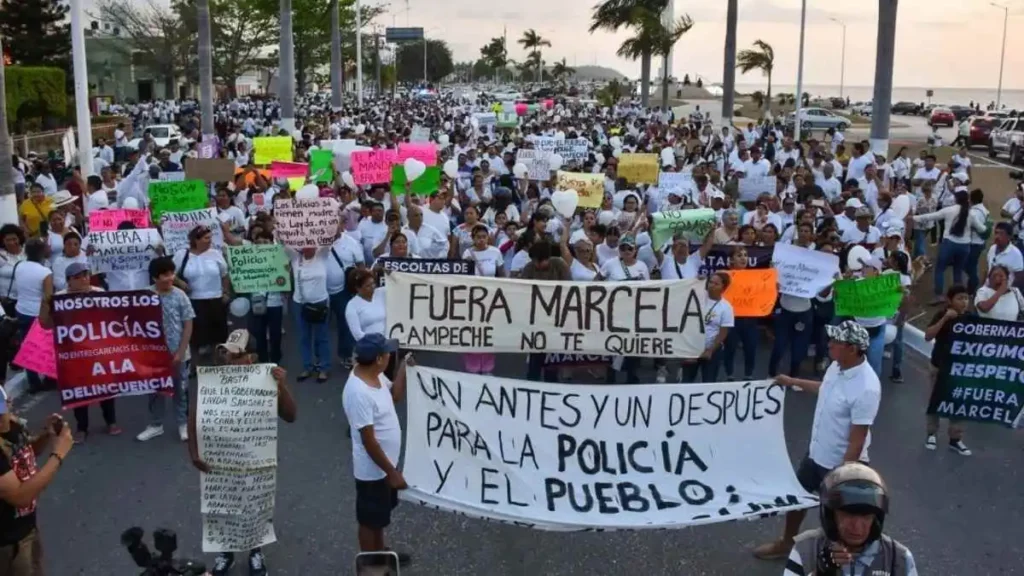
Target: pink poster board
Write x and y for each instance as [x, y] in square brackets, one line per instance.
[107, 220]
[37, 352]
[373, 166]
[425, 152]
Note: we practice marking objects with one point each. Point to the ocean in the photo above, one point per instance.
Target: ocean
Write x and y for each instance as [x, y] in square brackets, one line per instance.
[947, 96]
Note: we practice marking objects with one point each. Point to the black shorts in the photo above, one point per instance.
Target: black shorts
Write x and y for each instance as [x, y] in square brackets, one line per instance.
[375, 499]
[810, 475]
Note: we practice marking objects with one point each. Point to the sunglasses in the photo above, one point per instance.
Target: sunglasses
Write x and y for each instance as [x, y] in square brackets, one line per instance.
[626, 248]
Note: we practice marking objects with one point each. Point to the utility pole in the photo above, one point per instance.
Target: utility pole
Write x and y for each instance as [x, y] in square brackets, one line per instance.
[800, 74]
[337, 84]
[729, 73]
[286, 67]
[886, 50]
[1002, 57]
[376, 61]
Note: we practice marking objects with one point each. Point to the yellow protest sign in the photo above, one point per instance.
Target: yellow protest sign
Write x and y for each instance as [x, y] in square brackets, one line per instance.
[639, 168]
[270, 148]
[590, 187]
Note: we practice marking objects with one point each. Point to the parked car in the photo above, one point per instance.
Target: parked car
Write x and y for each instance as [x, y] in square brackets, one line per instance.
[1008, 138]
[861, 108]
[819, 118]
[837, 103]
[942, 117]
[981, 129]
[962, 112]
[906, 108]
[162, 135]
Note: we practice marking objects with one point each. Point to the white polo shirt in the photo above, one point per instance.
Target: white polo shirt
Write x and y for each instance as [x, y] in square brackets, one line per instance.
[846, 398]
[1010, 257]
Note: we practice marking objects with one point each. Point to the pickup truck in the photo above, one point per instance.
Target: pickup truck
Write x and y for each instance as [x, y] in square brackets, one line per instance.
[1008, 138]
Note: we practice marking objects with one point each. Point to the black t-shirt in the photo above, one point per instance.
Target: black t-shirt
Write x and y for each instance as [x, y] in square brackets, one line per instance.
[16, 454]
[940, 347]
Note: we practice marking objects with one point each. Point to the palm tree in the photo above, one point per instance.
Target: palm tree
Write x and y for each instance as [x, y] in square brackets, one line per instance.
[761, 58]
[611, 15]
[534, 42]
[610, 94]
[6, 150]
[495, 54]
[561, 69]
[205, 67]
[665, 38]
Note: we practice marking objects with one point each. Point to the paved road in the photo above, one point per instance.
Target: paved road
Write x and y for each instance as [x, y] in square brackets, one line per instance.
[954, 512]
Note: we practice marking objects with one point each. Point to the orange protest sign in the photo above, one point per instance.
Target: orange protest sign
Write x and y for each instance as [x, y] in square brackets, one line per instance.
[752, 293]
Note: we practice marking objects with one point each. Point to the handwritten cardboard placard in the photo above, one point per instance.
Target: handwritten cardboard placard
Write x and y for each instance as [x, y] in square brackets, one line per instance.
[419, 134]
[678, 183]
[425, 152]
[37, 352]
[571, 149]
[373, 166]
[259, 268]
[104, 220]
[122, 250]
[177, 197]
[877, 297]
[176, 226]
[639, 168]
[306, 223]
[271, 148]
[426, 184]
[804, 273]
[537, 164]
[508, 119]
[590, 187]
[172, 176]
[694, 224]
[750, 187]
[210, 170]
[752, 293]
[321, 166]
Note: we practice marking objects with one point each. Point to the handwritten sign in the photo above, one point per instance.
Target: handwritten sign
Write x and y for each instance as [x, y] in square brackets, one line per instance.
[306, 223]
[638, 168]
[571, 150]
[172, 176]
[177, 197]
[426, 184]
[210, 170]
[877, 297]
[37, 352]
[259, 268]
[804, 273]
[751, 187]
[590, 187]
[321, 166]
[537, 164]
[425, 152]
[419, 134]
[236, 426]
[752, 293]
[176, 226]
[271, 148]
[104, 220]
[122, 250]
[678, 183]
[508, 119]
[373, 166]
[693, 224]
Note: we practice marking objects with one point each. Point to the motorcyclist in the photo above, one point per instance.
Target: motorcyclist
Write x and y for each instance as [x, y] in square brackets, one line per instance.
[850, 542]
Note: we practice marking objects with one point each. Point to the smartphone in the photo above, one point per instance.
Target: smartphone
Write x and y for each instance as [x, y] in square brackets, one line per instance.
[377, 564]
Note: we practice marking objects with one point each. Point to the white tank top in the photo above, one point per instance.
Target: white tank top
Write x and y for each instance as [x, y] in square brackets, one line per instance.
[29, 283]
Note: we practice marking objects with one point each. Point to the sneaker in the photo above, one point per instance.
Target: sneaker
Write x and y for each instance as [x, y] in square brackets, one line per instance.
[183, 432]
[304, 375]
[931, 442]
[257, 565]
[776, 550]
[114, 430]
[897, 377]
[662, 375]
[149, 433]
[222, 564]
[959, 447]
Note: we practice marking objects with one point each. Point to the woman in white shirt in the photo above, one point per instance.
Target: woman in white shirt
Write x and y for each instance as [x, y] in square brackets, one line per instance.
[204, 277]
[365, 313]
[997, 299]
[718, 322]
[488, 261]
[309, 274]
[625, 268]
[71, 252]
[956, 241]
[267, 315]
[582, 265]
[12, 251]
[34, 283]
[744, 332]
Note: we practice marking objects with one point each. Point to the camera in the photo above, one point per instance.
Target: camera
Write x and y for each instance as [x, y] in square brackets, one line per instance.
[166, 542]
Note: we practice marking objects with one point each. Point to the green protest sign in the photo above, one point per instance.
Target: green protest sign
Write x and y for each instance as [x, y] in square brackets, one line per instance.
[181, 196]
[426, 184]
[694, 224]
[508, 119]
[321, 165]
[869, 297]
[259, 268]
[979, 375]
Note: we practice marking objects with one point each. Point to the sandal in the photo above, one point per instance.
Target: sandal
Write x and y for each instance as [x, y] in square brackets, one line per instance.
[322, 376]
[304, 375]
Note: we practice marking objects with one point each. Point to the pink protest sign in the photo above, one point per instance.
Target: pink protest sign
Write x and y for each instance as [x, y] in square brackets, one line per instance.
[107, 220]
[288, 169]
[425, 152]
[37, 352]
[373, 166]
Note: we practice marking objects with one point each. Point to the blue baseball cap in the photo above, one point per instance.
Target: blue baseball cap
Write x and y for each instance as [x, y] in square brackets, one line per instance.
[372, 346]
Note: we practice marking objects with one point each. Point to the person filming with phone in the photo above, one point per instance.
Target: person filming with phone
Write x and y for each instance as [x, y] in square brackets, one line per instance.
[850, 542]
[21, 484]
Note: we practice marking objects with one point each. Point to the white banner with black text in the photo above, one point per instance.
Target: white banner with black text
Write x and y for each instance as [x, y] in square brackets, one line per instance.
[596, 457]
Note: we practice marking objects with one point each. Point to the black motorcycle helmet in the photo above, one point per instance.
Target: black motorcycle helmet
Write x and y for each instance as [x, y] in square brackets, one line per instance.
[857, 489]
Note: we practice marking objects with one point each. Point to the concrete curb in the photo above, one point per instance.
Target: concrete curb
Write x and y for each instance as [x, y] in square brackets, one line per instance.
[16, 385]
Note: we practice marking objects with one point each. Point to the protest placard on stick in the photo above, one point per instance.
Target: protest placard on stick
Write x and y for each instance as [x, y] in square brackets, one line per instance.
[589, 187]
[306, 223]
[752, 293]
[638, 168]
[259, 268]
[537, 164]
[105, 220]
[176, 226]
[804, 273]
[694, 224]
[270, 148]
[210, 170]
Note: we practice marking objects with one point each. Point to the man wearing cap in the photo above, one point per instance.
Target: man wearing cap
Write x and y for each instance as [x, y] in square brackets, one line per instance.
[863, 232]
[369, 401]
[848, 398]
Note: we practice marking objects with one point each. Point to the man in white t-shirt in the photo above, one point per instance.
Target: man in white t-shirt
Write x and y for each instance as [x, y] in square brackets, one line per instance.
[369, 401]
[1003, 251]
[848, 398]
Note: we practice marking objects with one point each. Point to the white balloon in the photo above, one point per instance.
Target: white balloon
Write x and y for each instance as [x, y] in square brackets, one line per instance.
[347, 178]
[555, 161]
[890, 334]
[856, 257]
[130, 203]
[565, 202]
[520, 170]
[617, 152]
[443, 140]
[239, 307]
[414, 169]
[474, 122]
[451, 169]
[360, 129]
[308, 192]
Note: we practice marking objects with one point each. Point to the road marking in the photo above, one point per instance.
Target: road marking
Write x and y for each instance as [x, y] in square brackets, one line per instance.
[992, 161]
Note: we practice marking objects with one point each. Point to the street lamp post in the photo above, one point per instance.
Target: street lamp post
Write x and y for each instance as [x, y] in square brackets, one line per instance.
[842, 65]
[359, 52]
[1002, 57]
[800, 73]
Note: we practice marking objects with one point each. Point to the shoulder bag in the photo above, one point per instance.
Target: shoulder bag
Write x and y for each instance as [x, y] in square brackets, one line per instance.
[312, 312]
[7, 302]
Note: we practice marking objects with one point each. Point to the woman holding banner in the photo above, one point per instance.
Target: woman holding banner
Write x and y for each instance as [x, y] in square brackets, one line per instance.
[204, 274]
[719, 321]
[939, 331]
[580, 257]
[625, 268]
[487, 261]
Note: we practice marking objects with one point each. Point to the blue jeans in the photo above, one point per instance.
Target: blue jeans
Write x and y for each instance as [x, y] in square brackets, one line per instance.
[313, 341]
[920, 242]
[793, 331]
[266, 329]
[346, 343]
[743, 333]
[973, 256]
[950, 254]
[158, 402]
[876, 346]
[708, 369]
[35, 382]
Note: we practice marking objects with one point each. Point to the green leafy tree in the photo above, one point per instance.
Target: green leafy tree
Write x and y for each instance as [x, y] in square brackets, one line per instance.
[494, 55]
[561, 70]
[640, 16]
[311, 27]
[761, 57]
[36, 32]
[533, 42]
[410, 61]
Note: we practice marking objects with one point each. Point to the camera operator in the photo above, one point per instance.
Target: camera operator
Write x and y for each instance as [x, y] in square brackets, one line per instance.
[850, 542]
[21, 483]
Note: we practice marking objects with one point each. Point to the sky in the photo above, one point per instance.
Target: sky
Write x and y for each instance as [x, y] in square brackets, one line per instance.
[940, 43]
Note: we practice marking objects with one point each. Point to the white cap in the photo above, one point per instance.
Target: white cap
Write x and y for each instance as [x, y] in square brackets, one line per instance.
[854, 203]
